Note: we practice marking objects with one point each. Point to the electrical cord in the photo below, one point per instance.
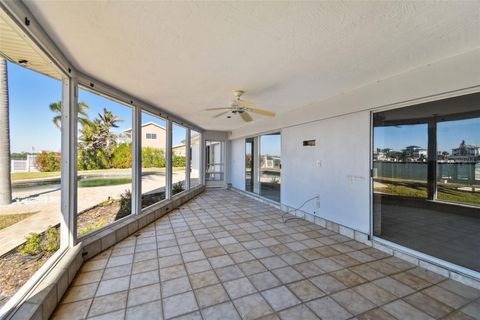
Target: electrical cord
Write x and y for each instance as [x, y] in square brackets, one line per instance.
[295, 210]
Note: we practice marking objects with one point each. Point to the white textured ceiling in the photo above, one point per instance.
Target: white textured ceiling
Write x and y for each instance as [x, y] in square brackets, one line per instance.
[187, 56]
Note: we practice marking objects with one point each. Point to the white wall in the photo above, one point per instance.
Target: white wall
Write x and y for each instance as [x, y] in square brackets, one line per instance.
[238, 163]
[336, 169]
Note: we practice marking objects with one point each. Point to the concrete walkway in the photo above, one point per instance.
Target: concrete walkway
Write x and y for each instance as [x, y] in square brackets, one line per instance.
[46, 207]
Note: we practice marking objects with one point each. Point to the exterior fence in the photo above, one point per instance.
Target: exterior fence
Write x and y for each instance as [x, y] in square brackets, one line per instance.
[27, 165]
[459, 172]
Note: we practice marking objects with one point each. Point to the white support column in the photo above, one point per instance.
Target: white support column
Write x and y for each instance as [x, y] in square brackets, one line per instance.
[68, 225]
[168, 162]
[136, 161]
[187, 159]
[201, 170]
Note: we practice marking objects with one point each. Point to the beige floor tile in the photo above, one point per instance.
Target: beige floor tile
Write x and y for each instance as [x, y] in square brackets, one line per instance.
[180, 304]
[143, 279]
[280, 298]
[106, 304]
[263, 281]
[74, 310]
[252, 267]
[287, 274]
[172, 272]
[376, 314]
[252, 307]
[198, 266]
[428, 305]
[348, 278]
[449, 298]
[402, 310]
[143, 295]
[352, 301]
[375, 294]
[229, 273]
[152, 310]
[203, 279]
[297, 313]
[78, 293]
[114, 285]
[305, 290]
[221, 312]
[327, 283]
[208, 296]
[393, 286]
[239, 288]
[327, 308]
[175, 286]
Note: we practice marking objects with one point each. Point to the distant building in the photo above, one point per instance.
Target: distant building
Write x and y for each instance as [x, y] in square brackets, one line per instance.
[153, 136]
[415, 153]
[465, 152]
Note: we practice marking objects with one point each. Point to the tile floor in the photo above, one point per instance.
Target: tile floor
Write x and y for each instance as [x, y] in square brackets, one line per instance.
[225, 256]
[445, 235]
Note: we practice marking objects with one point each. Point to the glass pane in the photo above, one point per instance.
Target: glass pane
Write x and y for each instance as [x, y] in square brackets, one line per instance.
[30, 177]
[214, 161]
[195, 139]
[179, 135]
[249, 164]
[269, 166]
[104, 162]
[458, 161]
[400, 160]
[446, 225]
[154, 140]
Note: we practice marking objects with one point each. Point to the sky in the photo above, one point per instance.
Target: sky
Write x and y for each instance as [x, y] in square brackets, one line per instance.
[271, 145]
[449, 135]
[31, 126]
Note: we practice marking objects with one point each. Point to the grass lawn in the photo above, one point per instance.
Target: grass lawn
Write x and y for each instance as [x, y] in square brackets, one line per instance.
[418, 189]
[7, 220]
[39, 175]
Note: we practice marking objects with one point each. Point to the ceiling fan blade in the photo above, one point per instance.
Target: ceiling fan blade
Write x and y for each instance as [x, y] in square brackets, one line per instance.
[243, 103]
[221, 114]
[213, 109]
[246, 117]
[262, 112]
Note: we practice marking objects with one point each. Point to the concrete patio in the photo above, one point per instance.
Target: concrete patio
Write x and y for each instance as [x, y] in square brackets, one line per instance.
[226, 256]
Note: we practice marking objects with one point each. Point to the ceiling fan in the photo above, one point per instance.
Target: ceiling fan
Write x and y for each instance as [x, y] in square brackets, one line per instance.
[241, 107]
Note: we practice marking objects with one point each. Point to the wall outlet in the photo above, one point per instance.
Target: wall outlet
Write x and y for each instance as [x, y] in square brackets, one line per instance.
[318, 163]
[317, 202]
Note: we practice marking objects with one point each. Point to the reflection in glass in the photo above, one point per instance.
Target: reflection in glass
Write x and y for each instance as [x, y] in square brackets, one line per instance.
[458, 161]
[179, 135]
[104, 162]
[426, 179]
[269, 166]
[400, 160]
[154, 137]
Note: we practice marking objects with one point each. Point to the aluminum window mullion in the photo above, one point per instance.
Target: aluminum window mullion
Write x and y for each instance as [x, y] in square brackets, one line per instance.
[187, 159]
[68, 225]
[136, 161]
[168, 161]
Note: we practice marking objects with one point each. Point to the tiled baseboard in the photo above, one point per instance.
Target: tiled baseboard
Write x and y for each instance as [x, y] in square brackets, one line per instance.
[41, 303]
[394, 250]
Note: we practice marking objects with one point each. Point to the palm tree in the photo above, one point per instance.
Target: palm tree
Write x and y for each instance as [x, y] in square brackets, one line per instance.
[56, 107]
[5, 179]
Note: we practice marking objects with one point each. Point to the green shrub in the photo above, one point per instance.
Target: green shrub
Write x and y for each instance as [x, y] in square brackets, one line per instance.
[92, 159]
[51, 242]
[48, 161]
[125, 205]
[122, 156]
[96, 226]
[177, 187]
[153, 157]
[178, 161]
[32, 245]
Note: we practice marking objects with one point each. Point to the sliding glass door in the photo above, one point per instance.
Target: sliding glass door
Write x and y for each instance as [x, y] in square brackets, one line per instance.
[426, 178]
[263, 165]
